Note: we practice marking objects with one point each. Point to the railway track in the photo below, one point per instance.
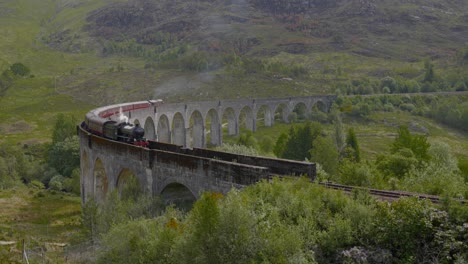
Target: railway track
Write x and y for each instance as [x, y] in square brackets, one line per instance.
[387, 195]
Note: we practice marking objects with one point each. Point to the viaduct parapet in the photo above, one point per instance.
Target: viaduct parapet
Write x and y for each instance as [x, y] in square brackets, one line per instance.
[176, 156]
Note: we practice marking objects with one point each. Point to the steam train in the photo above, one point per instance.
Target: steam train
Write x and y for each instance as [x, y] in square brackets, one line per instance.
[109, 122]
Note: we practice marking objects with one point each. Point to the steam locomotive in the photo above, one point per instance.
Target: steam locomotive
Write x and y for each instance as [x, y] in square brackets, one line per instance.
[110, 123]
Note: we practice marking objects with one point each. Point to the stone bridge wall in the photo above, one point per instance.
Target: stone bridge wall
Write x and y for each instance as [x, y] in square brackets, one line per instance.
[103, 161]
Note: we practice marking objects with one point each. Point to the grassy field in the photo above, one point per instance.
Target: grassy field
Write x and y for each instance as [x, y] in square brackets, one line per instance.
[376, 134]
[46, 221]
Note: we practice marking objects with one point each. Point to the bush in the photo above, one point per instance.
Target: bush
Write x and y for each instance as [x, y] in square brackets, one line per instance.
[238, 149]
[19, 69]
[388, 107]
[72, 184]
[266, 144]
[292, 117]
[56, 183]
[354, 174]
[407, 107]
[247, 139]
[36, 184]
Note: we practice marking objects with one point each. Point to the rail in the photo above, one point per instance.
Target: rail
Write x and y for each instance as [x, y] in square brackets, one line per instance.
[388, 195]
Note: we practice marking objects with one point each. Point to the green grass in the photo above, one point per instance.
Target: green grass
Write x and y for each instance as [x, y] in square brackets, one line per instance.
[39, 218]
[28, 112]
[376, 134]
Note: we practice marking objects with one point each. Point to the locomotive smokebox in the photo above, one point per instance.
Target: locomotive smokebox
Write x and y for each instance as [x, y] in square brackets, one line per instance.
[138, 132]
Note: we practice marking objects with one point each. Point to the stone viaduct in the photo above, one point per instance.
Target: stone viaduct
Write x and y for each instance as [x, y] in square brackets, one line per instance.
[178, 133]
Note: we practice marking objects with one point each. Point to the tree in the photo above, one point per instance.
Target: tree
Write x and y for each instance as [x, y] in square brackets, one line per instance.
[442, 156]
[352, 147]
[416, 143]
[429, 75]
[396, 164]
[300, 141]
[65, 127]
[20, 69]
[65, 156]
[325, 153]
[390, 83]
[280, 144]
[247, 139]
[339, 135]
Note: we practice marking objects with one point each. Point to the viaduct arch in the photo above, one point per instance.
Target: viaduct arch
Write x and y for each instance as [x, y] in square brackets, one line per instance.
[178, 135]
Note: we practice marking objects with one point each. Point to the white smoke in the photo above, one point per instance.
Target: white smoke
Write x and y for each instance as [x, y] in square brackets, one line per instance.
[122, 117]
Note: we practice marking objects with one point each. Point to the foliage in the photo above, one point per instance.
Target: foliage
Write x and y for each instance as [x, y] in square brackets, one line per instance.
[352, 150]
[8, 169]
[64, 156]
[429, 75]
[145, 241]
[290, 221]
[338, 131]
[15, 166]
[413, 231]
[56, 183]
[442, 156]
[325, 153]
[19, 69]
[99, 217]
[238, 149]
[72, 184]
[266, 144]
[397, 164]
[64, 127]
[359, 174]
[416, 143]
[280, 145]
[36, 184]
[247, 139]
[437, 180]
[300, 141]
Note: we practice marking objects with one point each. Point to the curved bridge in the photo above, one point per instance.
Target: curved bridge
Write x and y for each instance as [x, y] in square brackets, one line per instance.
[176, 156]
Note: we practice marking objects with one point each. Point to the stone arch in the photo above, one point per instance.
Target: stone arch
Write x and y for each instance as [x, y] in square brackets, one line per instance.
[164, 129]
[197, 130]
[136, 122]
[179, 195]
[229, 118]
[246, 119]
[300, 111]
[150, 132]
[127, 184]
[101, 181]
[281, 113]
[213, 136]
[178, 129]
[264, 116]
[320, 106]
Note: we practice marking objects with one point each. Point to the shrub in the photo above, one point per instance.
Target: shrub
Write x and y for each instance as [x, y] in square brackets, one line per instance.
[56, 183]
[407, 107]
[19, 69]
[36, 184]
[266, 144]
[388, 107]
[237, 149]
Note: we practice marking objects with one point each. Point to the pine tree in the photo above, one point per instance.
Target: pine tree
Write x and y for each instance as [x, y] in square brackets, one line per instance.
[352, 147]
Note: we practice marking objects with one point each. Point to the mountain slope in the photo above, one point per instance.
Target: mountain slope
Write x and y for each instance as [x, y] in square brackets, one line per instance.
[131, 50]
[334, 41]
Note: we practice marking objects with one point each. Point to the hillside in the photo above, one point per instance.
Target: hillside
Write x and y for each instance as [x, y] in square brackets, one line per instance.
[103, 52]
